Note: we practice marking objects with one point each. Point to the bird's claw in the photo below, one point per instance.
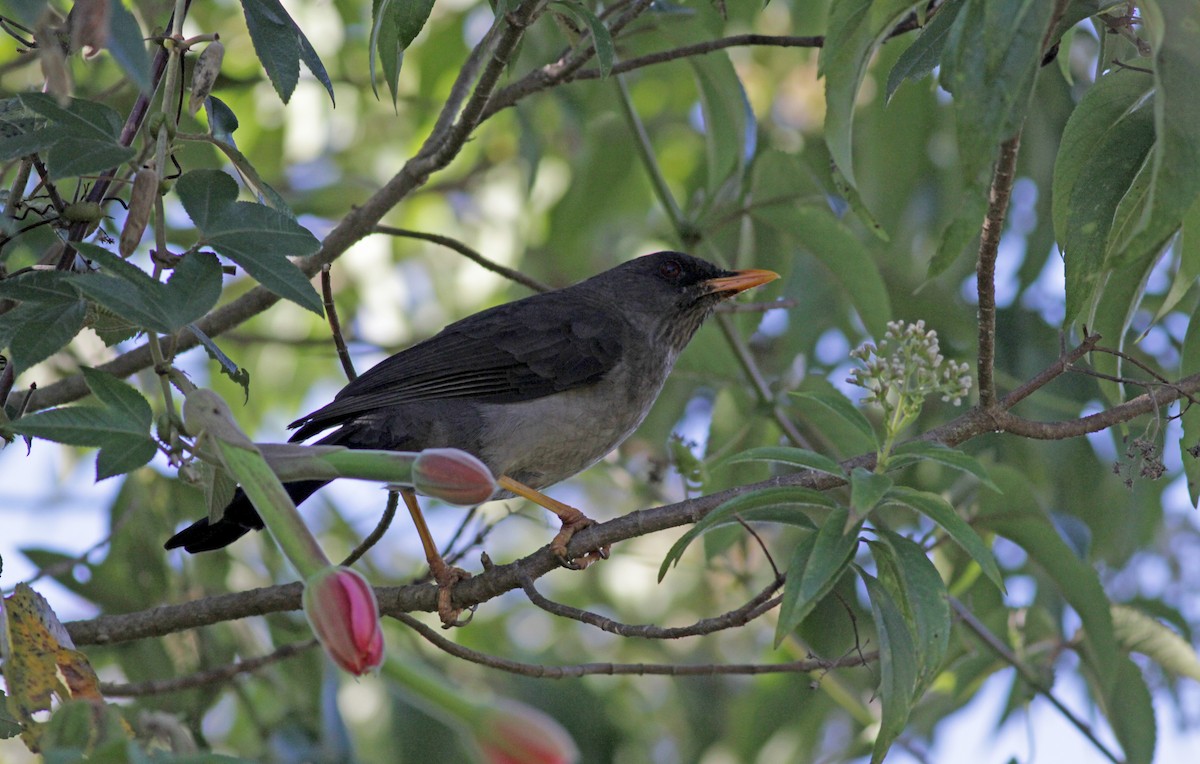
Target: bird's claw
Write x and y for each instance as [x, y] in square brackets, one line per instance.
[559, 545]
[446, 576]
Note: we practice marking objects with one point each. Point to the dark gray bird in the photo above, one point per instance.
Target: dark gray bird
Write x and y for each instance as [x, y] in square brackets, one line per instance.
[539, 389]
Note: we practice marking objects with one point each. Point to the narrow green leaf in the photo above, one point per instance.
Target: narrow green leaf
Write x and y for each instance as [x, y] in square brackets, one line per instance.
[602, 40]
[941, 512]
[761, 504]
[924, 54]
[1175, 182]
[914, 451]
[730, 130]
[1018, 518]
[918, 589]
[1187, 271]
[1189, 440]
[1105, 142]
[817, 563]
[992, 58]
[898, 662]
[228, 367]
[856, 28]
[128, 46]
[394, 25]
[1130, 711]
[842, 252]
[275, 37]
[796, 457]
[1140, 633]
[843, 408]
[867, 489]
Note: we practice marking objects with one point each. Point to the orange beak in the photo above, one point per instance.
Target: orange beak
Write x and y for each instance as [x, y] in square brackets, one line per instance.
[740, 281]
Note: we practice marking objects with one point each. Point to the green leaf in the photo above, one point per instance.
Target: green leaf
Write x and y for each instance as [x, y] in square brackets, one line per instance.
[780, 504]
[1187, 270]
[1189, 441]
[602, 40]
[81, 138]
[867, 489]
[229, 368]
[128, 46]
[1174, 183]
[193, 288]
[959, 234]
[119, 428]
[394, 25]
[941, 512]
[730, 130]
[841, 406]
[924, 54]
[898, 661]
[254, 236]
[281, 46]
[915, 451]
[1130, 711]
[1104, 144]
[1140, 633]
[796, 457]
[840, 250]
[856, 28]
[992, 58]
[817, 563]
[43, 329]
[918, 590]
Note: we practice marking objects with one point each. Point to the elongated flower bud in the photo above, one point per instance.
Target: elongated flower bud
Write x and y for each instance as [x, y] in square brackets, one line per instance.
[453, 476]
[341, 608]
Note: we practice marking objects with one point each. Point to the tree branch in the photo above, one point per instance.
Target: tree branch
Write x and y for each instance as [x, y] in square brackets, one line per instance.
[985, 266]
[497, 580]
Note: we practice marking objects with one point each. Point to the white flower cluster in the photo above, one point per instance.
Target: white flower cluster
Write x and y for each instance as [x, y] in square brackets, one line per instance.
[907, 367]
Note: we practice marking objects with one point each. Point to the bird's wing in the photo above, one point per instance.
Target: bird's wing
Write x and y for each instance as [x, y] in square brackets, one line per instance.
[514, 352]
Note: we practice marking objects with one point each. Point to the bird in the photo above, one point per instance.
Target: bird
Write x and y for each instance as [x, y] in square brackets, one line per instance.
[538, 389]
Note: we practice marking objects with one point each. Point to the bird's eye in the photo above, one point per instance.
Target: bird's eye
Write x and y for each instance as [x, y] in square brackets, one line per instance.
[670, 269]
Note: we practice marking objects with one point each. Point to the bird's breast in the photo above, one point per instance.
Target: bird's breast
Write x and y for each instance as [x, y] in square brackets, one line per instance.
[548, 439]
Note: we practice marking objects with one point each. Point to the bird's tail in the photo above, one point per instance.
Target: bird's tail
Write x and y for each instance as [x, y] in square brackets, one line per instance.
[238, 520]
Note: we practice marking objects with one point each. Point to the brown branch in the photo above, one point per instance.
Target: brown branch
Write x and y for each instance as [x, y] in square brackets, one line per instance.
[985, 266]
[335, 326]
[467, 252]
[385, 522]
[756, 606]
[613, 669]
[499, 579]
[204, 678]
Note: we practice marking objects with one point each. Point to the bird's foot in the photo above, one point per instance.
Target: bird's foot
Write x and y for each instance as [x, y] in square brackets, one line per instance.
[558, 546]
[446, 576]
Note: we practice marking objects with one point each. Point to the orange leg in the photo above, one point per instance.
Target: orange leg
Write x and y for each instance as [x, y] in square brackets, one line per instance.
[572, 521]
[444, 574]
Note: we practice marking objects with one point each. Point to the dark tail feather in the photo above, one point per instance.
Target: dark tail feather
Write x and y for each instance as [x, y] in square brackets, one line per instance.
[238, 520]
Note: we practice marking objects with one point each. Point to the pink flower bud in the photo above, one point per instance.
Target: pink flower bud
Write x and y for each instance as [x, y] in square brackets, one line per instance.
[514, 733]
[341, 607]
[453, 476]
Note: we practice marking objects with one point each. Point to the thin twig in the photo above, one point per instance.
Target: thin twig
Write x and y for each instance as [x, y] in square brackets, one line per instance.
[204, 678]
[996, 645]
[335, 326]
[385, 522]
[985, 267]
[613, 669]
[467, 252]
[756, 606]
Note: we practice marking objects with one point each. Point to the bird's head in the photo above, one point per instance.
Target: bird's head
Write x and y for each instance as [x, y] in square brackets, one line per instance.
[675, 292]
